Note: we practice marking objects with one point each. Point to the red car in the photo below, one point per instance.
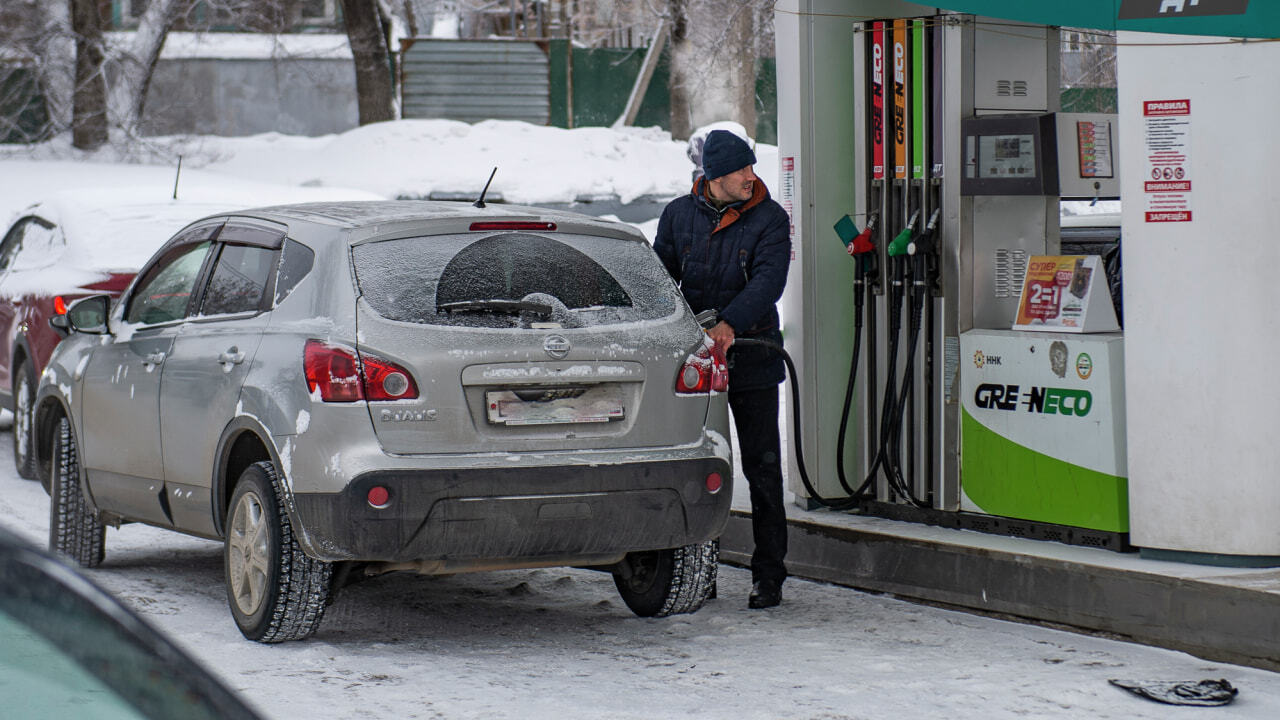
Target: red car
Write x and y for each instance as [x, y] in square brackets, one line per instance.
[82, 242]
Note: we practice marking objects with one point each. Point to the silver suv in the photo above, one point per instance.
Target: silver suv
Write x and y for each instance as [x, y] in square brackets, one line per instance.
[336, 390]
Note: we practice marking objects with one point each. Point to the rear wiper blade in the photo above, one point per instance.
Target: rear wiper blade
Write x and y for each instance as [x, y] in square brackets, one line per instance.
[497, 306]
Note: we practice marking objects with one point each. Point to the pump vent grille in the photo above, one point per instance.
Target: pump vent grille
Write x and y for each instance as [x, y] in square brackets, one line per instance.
[1010, 269]
[1011, 88]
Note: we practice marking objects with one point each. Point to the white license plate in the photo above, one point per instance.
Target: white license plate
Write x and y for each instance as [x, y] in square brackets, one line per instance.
[550, 406]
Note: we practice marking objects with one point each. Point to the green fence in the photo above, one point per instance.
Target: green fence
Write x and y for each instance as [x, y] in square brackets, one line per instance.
[1092, 100]
[602, 80]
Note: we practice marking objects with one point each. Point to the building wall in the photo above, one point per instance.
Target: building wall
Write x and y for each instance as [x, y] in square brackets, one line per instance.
[296, 96]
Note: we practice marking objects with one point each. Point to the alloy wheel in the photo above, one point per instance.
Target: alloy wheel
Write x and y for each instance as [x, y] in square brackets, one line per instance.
[249, 554]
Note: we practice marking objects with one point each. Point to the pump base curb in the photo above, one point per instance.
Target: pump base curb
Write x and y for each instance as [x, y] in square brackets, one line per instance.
[1212, 620]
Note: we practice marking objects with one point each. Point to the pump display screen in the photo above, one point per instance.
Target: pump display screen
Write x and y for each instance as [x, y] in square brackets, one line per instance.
[1009, 155]
[1006, 156]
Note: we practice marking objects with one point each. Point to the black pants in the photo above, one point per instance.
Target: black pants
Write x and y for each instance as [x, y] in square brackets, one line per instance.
[755, 416]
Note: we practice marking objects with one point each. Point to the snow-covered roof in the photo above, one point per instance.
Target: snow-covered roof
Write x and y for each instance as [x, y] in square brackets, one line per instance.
[247, 46]
[117, 229]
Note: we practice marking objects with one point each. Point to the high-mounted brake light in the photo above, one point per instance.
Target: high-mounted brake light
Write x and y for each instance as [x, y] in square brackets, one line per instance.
[340, 375]
[512, 225]
[704, 371]
[59, 305]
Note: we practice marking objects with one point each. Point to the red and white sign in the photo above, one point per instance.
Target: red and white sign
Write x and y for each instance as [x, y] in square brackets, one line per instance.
[1167, 183]
[877, 99]
[787, 195]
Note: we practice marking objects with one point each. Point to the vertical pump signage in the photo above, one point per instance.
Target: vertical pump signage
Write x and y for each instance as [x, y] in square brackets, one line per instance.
[937, 124]
[900, 99]
[877, 99]
[918, 89]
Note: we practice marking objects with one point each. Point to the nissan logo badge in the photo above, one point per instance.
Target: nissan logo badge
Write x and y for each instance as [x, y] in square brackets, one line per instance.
[556, 346]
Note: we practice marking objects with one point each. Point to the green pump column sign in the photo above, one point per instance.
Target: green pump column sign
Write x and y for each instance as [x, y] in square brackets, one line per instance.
[919, 63]
[1042, 429]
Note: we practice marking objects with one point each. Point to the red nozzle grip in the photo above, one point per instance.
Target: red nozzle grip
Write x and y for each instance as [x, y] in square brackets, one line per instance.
[861, 244]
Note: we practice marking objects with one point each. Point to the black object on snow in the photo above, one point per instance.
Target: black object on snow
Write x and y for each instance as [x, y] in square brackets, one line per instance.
[1204, 692]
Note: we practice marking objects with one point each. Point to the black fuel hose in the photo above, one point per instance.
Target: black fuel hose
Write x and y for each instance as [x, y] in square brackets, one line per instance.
[833, 503]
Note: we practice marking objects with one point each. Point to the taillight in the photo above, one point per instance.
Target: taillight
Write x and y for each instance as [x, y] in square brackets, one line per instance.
[59, 305]
[336, 373]
[386, 381]
[512, 225]
[704, 371]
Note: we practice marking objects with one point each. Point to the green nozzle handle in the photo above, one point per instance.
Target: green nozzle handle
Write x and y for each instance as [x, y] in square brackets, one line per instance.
[900, 243]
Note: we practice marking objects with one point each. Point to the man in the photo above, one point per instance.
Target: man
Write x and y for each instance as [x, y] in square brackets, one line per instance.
[728, 245]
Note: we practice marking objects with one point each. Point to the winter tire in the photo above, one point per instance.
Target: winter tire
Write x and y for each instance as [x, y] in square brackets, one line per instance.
[74, 529]
[276, 592]
[24, 393]
[659, 583]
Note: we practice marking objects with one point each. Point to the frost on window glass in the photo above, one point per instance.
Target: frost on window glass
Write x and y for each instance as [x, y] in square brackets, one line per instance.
[296, 261]
[239, 280]
[514, 279]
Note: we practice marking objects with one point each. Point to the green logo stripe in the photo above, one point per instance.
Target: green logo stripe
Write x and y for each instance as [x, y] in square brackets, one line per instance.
[1004, 478]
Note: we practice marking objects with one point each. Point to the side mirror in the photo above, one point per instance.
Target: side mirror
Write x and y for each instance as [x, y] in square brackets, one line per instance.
[86, 315]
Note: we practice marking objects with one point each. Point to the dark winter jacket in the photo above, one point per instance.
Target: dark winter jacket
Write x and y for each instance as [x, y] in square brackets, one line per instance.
[735, 261]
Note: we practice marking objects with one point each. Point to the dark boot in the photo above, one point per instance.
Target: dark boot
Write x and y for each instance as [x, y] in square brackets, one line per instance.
[764, 594]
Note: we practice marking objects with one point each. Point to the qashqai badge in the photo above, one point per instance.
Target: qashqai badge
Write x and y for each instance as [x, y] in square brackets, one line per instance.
[556, 346]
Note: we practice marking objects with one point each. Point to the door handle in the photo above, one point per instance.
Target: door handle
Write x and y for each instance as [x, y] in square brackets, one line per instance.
[154, 358]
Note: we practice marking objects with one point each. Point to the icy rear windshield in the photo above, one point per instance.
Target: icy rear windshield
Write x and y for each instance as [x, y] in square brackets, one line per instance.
[514, 280]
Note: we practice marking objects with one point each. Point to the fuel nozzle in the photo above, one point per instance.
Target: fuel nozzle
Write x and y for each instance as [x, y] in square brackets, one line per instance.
[898, 246]
[859, 246]
[925, 241]
[922, 254]
[862, 244]
[856, 243]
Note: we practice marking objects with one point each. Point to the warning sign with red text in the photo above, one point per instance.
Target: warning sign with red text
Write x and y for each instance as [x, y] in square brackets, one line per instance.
[1167, 181]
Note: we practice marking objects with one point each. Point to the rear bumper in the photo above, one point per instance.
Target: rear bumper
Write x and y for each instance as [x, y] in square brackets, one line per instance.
[454, 519]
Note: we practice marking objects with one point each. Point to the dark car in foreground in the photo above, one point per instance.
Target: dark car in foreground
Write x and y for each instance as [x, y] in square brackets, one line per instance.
[70, 650]
[366, 387]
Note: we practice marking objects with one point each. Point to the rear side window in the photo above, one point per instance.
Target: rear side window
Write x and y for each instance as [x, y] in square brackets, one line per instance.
[296, 261]
[239, 280]
[513, 279]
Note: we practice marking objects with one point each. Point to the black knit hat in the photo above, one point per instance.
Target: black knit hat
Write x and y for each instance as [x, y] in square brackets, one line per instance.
[723, 153]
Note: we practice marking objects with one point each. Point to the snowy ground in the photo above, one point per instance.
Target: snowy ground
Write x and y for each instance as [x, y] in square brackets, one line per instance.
[559, 643]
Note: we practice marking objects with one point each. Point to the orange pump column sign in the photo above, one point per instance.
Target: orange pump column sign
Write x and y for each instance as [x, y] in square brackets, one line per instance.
[900, 99]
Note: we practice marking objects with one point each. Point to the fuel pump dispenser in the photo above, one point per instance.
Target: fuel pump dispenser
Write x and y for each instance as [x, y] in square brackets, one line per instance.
[958, 182]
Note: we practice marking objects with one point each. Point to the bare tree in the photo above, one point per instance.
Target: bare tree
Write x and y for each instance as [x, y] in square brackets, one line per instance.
[713, 63]
[134, 64]
[367, 31]
[89, 105]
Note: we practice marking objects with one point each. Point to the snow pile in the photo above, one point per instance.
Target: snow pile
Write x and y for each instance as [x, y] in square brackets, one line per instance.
[415, 158]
